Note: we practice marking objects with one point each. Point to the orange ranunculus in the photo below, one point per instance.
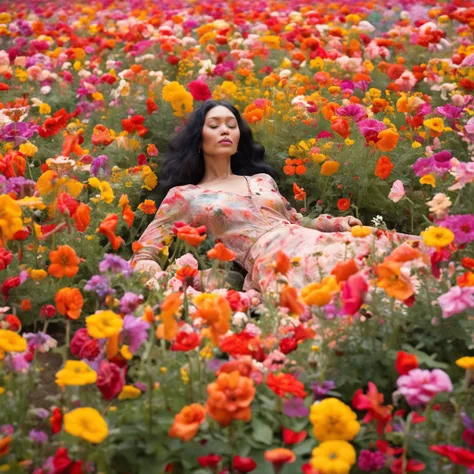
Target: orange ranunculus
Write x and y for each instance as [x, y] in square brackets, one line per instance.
[127, 213]
[13, 164]
[169, 327]
[342, 271]
[466, 279]
[404, 253]
[341, 127]
[187, 421]
[230, 397]
[282, 263]
[299, 193]
[5, 445]
[393, 282]
[101, 136]
[329, 167]
[289, 299]
[279, 456]
[387, 140]
[148, 206]
[107, 227]
[253, 114]
[69, 302]
[329, 110]
[222, 253]
[384, 167]
[215, 311]
[64, 262]
[283, 384]
[82, 217]
[193, 236]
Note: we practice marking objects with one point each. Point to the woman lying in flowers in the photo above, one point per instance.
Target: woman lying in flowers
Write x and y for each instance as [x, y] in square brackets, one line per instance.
[215, 178]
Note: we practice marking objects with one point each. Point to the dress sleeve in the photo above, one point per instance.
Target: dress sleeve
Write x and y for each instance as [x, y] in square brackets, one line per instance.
[323, 223]
[173, 208]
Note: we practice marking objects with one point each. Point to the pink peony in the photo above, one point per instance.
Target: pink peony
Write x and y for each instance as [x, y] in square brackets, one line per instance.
[420, 386]
[456, 300]
[397, 192]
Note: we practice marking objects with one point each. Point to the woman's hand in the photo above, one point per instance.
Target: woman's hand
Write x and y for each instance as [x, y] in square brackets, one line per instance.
[350, 222]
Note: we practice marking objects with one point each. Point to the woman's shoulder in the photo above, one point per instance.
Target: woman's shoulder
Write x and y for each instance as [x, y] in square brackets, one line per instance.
[264, 177]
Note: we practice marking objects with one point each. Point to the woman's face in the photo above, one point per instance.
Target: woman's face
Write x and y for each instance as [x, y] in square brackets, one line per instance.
[220, 133]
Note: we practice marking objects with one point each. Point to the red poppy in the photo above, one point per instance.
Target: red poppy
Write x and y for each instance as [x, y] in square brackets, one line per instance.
[293, 437]
[384, 167]
[343, 204]
[455, 454]
[53, 125]
[151, 106]
[283, 384]
[243, 464]
[135, 124]
[405, 362]
[185, 341]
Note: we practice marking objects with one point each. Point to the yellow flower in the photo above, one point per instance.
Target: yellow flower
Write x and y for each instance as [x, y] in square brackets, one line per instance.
[349, 142]
[150, 179]
[28, 149]
[32, 202]
[361, 231]
[436, 124]
[129, 392]
[428, 179]
[104, 324]
[21, 75]
[321, 293]
[466, 363]
[125, 353]
[5, 18]
[170, 90]
[272, 41]
[416, 145]
[333, 420]
[38, 275]
[333, 457]
[10, 218]
[11, 341]
[2, 390]
[106, 193]
[76, 372]
[44, 109]
[45, 182]
[184, 375]
[86, 423]
[229, 87]
[437, 236]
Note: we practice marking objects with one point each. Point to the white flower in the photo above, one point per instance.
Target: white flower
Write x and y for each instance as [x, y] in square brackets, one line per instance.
[45, 90]
[239, 319]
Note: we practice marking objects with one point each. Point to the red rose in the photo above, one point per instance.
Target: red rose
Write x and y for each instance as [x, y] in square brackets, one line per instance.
[83, 346]
[242, 464]
[5, 258]
[47, 311]
[110, 380]
[288, 345]
[185, 341]
[405, 362]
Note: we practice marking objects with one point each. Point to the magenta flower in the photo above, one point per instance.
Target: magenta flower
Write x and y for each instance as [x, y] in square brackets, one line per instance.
[353, 293]
[135, 332]
[17, 132]
[370, 128]
[456, 300]
[450, 111]
[371, 461]
[462, 225]
[353, 111]
[420, 386]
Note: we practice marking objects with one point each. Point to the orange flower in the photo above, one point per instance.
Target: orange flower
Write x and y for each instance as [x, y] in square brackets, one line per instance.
[294, 166]
[5, 445]
[187, 274]
[341, 127]
[187, 421]
[148, 206]
[283, 384]
[299, 193]
[329, 110]
[404, 253]
[64, 262]
[169, 308]
[82, 217]
[230, 397]
[388, 139]
[252, 113]
[282, 263]
[222, 253]
[392, 281]
[289, 299]
[342, 271]
[384, 167]
[25, 304]
[216, 312]
[69, 302]
[107, 227]
[101, 136]
[71, 144]
[193, 236]
[329, 167]
[343, 204]
[466, 279]
[279, 456]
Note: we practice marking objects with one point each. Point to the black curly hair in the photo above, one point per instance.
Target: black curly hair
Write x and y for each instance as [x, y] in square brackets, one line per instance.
[182, 163]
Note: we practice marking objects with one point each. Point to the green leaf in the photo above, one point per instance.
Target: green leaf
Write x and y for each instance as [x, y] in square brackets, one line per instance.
[262, 432]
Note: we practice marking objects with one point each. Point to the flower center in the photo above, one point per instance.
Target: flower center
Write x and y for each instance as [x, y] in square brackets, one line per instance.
[332, 456]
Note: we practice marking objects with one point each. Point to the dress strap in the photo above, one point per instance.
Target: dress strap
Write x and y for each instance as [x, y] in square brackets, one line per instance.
[248, 185]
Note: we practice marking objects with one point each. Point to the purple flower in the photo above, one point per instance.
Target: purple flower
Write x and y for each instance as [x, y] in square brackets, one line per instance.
[320, 390]
[130, 302]
[40, 341]
[462, 225]
[370, 461]
[115, 264]
[294, 408]
[42, 413]
[370, 128]
[442, 162]
[354, 111]
[21, 186]
[17, 132]
[450, 111]
[135, 332]
[100, 284]
[456, 300]
[38, 436]
[100, 166]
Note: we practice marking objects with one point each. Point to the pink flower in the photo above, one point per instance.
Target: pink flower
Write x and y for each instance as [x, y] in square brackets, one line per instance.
[397, 192]
[468, 61]
[187, 260]
[456, 300]
[469, 127]
[420, 386]
[353, 293]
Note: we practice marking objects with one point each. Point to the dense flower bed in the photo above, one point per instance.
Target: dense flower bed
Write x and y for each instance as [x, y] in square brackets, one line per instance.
[365, 109]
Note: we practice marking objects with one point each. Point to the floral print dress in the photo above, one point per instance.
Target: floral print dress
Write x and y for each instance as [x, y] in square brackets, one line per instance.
[256, 226]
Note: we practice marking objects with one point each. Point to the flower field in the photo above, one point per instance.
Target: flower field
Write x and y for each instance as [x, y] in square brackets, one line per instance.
[364, 109]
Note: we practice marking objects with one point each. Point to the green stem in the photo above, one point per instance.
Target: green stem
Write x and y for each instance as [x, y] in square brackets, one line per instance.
[405, 443]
